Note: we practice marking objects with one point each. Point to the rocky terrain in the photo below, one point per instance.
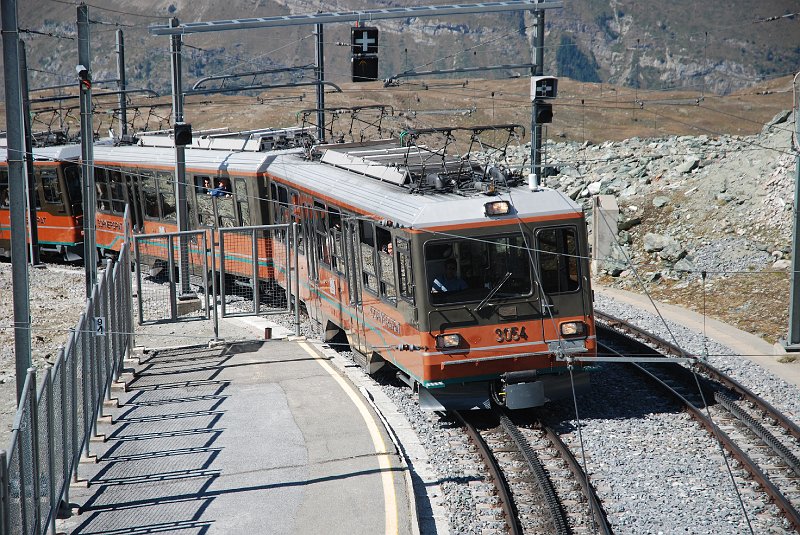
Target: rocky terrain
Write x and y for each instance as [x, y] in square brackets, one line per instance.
[705, 221]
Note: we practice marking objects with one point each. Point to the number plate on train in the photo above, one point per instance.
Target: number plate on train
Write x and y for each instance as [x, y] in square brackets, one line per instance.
[511, 334]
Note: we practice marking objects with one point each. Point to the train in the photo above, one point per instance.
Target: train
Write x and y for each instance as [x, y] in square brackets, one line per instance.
[459, 276]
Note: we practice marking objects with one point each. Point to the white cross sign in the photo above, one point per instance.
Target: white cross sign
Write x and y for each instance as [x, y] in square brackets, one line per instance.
[365, 40]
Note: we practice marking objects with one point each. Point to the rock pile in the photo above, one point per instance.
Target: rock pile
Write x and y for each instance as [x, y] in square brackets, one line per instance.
[687, 203]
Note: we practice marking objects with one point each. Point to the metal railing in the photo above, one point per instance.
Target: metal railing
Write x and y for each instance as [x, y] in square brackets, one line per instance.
[55, 420]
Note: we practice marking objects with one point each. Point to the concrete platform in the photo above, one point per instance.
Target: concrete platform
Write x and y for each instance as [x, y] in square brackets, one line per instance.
[246, 437]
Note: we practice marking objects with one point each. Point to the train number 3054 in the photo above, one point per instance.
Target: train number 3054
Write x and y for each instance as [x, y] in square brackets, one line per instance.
[511, 334]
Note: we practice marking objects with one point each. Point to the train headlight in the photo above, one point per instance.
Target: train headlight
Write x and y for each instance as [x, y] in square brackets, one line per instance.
[444, 341]
[497, 208]
[573, 328]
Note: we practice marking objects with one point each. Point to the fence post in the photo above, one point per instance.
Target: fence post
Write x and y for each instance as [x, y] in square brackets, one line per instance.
[214, 288]
[5, 524]
[34, 430]
[108, 290]
[296, 255]
[66, 430]
[48, 378]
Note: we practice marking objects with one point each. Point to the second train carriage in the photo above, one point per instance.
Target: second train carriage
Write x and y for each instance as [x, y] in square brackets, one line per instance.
[58, 197]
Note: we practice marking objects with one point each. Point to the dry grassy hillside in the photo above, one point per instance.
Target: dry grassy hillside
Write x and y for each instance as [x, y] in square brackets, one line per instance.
[583, 111]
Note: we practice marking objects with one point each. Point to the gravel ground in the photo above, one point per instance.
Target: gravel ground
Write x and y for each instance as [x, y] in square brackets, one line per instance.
[656, 471]
[57, 297]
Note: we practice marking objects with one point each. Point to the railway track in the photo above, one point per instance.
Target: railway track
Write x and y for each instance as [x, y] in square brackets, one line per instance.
[764, 441]
[540, 485]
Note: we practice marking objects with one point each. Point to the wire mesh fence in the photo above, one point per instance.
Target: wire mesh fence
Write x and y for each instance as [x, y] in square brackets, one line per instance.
[170, 269]
[255, 270]
[54, 422]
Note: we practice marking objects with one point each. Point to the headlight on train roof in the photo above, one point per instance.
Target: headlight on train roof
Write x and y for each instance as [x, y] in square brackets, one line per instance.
[444, 341]
[573, 328]
[497, 208]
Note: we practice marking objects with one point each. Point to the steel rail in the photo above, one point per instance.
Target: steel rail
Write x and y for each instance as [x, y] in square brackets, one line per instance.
[598, 513]
[777, 497]
[790, 427]
[557, 514]
[503, 491]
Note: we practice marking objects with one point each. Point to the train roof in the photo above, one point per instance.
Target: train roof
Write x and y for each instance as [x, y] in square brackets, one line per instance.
[211, 161]
[387, 200]
[49, 154]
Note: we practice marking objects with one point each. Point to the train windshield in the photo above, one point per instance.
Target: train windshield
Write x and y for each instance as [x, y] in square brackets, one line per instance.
[72, 178]
[467, 269]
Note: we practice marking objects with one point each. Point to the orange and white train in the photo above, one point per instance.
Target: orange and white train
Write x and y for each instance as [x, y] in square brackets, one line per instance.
[472, 285]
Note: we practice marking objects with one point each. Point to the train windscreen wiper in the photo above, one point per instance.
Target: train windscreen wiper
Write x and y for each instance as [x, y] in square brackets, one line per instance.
[494, 291]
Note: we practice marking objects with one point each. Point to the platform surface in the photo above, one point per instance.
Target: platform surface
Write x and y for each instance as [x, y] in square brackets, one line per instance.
[247, 437]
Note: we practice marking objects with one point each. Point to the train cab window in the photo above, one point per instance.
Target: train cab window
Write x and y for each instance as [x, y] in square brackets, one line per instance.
[336, 245]
[166, 196]
[243, 201]
[369, 274]
[4, 195]
[467, 270]
[386, 264]
[558, 260]
[320, 218]
[405, 275]
[50, 187]
[149, 194]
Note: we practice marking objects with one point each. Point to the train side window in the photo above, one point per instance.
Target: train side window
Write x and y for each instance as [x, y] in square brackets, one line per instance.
[50, 187]
[225, 207]
[282, 205]
[205, 210]
[558, 260]
[405, 274]
[240, 187]
[386, 263]
[320, 223]
[369, 274]
[4, 196]
[166, 196]
[335, 244]
[73, 183]
[116, 191]
[131, 188]
[102, 187]
[149, 194]
[296, 213]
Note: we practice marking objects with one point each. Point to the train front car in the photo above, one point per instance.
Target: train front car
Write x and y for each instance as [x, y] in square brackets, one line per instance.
[507, 304]
[473, 286]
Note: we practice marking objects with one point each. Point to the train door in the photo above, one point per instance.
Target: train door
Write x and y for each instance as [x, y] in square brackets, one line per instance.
[560, 277]
[353, 274]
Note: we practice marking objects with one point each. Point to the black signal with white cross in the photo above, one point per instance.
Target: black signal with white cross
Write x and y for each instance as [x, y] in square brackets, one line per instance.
[364, 40]
[364, 48]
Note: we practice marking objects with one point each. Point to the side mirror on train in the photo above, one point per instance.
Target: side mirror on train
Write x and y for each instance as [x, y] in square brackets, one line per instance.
[183, 134]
